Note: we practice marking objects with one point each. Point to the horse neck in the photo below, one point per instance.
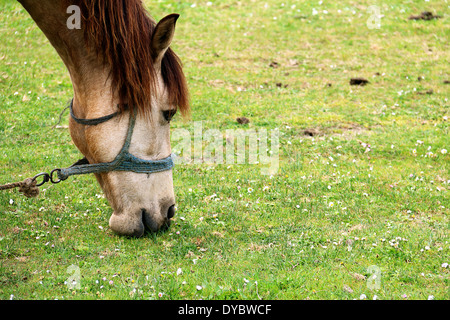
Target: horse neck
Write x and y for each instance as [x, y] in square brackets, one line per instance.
[89, 76]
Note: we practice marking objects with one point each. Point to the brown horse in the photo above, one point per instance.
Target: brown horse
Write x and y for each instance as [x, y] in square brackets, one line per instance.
[119, 60]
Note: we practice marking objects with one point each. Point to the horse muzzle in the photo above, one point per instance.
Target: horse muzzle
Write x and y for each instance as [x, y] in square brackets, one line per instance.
[135, 224]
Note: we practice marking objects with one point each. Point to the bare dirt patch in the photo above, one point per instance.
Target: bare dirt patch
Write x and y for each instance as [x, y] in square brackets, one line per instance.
[425, 15]
[358, 81]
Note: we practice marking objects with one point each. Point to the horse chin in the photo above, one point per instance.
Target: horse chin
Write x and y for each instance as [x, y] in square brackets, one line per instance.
[127, 225]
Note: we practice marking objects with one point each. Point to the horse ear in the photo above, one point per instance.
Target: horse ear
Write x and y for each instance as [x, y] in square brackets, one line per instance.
[162, 37]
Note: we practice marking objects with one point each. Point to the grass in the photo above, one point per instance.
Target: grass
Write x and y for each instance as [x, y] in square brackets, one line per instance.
[314, 228]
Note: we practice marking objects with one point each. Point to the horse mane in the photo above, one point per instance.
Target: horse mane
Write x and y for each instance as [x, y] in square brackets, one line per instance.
[120, 32]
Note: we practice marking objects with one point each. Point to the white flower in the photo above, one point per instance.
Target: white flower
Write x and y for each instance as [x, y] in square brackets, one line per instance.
[444, 265]
[199, 288]
[444, 151]
[431, 297]
[362, 297]
[179, 271]
[11, 201]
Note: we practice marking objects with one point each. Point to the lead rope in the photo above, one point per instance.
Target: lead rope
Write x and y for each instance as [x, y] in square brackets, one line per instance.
[28, 187]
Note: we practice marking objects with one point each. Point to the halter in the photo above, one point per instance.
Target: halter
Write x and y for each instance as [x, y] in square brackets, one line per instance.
[124, 161]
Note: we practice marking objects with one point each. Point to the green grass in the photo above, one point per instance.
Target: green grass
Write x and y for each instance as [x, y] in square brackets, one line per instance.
[309, 231]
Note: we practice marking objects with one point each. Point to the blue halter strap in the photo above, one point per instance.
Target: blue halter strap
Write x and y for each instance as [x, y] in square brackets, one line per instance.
[124, 161]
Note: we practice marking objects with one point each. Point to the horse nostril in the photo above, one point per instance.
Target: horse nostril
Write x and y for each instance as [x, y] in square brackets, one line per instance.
[171, 212]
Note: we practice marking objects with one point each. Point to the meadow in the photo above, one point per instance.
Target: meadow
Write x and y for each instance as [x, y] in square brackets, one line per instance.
[359, 205]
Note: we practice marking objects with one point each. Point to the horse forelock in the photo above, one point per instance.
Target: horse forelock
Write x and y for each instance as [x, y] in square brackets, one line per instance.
[120, 32]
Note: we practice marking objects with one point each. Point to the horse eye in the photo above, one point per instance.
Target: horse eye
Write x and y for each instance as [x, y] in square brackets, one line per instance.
[168, 114]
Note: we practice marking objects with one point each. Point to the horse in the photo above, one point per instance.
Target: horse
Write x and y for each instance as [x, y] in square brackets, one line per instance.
[124, 73]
